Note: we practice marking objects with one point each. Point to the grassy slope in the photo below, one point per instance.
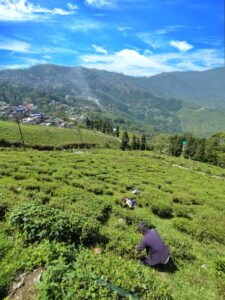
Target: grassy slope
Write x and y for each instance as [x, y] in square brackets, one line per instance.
[38, 135]
[160, 178]
[201, 122]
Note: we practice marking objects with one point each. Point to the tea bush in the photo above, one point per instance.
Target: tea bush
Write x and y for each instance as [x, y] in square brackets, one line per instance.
[183, 211]
[134, 218]
[20, 176]
[186, 199]
[36, 222]
[162, 209]
[186, 226]
[91, 277]
[79, 216]
[18, 259]
[4, 207]
[220, 265]
[86, 229]
[181, 251]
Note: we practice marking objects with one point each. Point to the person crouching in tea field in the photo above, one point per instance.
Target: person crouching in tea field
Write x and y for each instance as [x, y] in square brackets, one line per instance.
[130, 203]
[157, 252]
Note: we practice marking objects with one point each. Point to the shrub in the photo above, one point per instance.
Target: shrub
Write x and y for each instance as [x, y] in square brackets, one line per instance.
[183, 211]
[134, 218]
[19, 259]
[79, 184]
[100, 277]
[96, 189]
[4, 207]
[181, 250]
[186, 199]
[37, 222]
[162, 209]
[106, 210]
[85, 229]
[43, 198]
[109, 192]
[124, 244]
[19, 176]
[184, 225]
[5, 245]
[220, 265]
[32, 185]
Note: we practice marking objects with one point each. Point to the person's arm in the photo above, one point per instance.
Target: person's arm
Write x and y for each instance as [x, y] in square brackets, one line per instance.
[142, 245]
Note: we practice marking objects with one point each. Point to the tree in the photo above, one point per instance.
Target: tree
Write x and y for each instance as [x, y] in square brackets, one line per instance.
[88, 123]
[124, 141]
[211, 149]
[143, 142]
[190, 147]
[134, 143]
[175, 147]
[117, 131]
[138, 144]
[161, 143]
[199, 150]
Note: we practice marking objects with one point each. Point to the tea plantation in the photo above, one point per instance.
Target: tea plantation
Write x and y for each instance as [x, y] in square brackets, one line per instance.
[57, 207]
[54, 137]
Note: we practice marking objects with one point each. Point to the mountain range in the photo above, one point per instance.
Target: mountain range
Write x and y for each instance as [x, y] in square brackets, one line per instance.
[169, 102]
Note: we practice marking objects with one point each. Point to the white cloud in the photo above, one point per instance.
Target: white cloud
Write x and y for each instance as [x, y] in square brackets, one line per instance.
[15, 45]
[126, 61]
[214, 41]
[14, 66]
[131, 62]
[99, 49]
[28, 62]
[168, 29]
[101, 3]
[22, 10]
[182, 46]
[125, 28]
[47, 57]
[83, 25]
[57, 50]
[152, 40]
[126, 31]
[72, 6]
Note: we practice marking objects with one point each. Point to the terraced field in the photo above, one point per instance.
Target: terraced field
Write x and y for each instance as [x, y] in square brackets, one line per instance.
[57, 207]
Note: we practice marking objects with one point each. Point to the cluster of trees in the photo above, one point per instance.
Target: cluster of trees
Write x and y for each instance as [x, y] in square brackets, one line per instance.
[210, 150]
[103, 126]
[136, 142]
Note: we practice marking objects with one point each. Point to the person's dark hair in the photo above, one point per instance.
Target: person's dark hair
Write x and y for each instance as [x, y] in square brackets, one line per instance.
[142, 227]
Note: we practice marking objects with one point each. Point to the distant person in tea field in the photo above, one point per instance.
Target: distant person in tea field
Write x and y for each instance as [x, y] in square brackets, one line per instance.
[157, 252]
[130, 203]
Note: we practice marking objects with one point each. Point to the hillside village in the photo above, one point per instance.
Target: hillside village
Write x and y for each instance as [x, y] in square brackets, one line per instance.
[29, 113]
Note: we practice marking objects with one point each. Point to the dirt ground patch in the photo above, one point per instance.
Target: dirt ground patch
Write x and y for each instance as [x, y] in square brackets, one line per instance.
[25, 287]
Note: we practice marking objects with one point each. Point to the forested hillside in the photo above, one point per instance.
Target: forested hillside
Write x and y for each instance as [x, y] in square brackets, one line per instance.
[204, 88]
[128, 101]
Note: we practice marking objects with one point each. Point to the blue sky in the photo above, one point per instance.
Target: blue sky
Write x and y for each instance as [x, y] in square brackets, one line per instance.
[134, 37]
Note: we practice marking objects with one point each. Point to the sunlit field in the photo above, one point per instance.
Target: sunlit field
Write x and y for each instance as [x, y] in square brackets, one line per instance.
[57, 207]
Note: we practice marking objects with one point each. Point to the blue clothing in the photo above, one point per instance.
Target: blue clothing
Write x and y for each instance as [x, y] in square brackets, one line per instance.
[133, 202]
[157, 251]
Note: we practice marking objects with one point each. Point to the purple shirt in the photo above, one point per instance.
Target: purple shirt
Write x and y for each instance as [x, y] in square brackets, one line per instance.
[157, 251]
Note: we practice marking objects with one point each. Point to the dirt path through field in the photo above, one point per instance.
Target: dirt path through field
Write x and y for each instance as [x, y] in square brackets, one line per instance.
[200, 172]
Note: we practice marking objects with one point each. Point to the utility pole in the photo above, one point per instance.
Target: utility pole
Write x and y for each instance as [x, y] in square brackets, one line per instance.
[21, 134]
